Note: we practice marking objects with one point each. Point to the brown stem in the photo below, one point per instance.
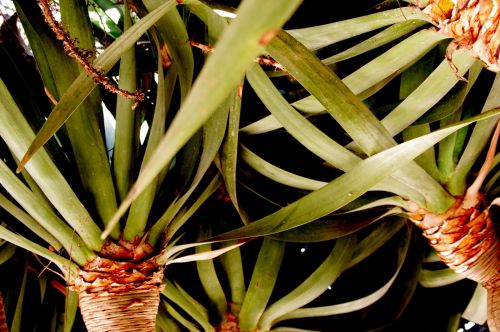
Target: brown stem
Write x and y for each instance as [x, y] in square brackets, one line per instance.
[3, 318]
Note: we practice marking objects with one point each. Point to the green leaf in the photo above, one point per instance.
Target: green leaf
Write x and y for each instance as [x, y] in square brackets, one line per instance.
[433, 89]
[175, 35]
[84, 84]
[168, 227]
[29, 222]
[264, 277]
[211, 283]
[307, 134]
[125, 149]
[84, 127]
[229, 152]
[315, 285]
[426, 160]
[18, 314]
[180, 319]
[70, 310]
[331, 227]
[385, 230]
[140, 209]
[384, 37]
[69, 268]
[233, 266]
[323, 35]
[237, 47]
[353, 115]
[347, 187]
[439, 278]
[476, 311]
[45, 217]
[17, 133]
[195, 310]
[353, 305]
[478, 140]
[7, 250]
[165, 323]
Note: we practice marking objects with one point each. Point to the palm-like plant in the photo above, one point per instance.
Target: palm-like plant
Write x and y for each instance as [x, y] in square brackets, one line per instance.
[432, 192]
[116, 244]
[118, 272]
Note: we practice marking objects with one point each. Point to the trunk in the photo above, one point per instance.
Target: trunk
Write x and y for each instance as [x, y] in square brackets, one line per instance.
[3, 319]
[494, 305]
[474, 25]
[133, 310]
[466, 240]
[119, 296]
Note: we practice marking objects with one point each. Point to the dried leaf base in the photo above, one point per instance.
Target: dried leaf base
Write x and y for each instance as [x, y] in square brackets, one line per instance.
[119, 296]
[135, 310]
[466, 240]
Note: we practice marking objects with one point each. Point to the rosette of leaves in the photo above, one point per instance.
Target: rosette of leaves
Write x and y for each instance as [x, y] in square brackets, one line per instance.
[271, 285]
[66, 193]
[403, 85]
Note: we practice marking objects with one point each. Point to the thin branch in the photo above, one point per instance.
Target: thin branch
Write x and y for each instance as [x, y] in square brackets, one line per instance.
[83, 57]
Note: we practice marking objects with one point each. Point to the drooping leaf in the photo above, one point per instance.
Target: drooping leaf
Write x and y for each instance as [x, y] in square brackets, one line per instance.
[237, 47]
[347, 187]
[315, 285]
[84, 84]
[320, 36]
[264, 277]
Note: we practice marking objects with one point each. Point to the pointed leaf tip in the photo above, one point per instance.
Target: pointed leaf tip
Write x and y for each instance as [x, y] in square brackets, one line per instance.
[27, 156]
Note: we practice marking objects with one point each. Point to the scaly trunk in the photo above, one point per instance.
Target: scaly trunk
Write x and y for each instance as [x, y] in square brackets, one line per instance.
[119, 296]
[466, 238]
[3, 319]
[474, 25]
[133, 310]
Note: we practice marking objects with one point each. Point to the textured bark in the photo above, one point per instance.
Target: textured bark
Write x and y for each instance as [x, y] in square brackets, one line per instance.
[474, 25]
[494, 305]
[466, 240]
[119, 296]
[134, 310]
[3, 319]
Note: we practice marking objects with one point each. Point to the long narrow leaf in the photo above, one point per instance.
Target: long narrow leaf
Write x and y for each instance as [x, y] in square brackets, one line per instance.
[233, 266]
[476, 143]
[347, 187]
[187, 303]
[352, 114]
[29, 222]
[320, 36]
[307, 134]
[18, 314]
[236, 48]
[84, 84]
[264, 277]
[124, 149]
[173, 31]
[476, 310]
[211, 283]
[70, 310]
[390, 34]
[140, 210]
[354, 305]
[314, 285]
[435, 87]
[17, 133]
[69, 268]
